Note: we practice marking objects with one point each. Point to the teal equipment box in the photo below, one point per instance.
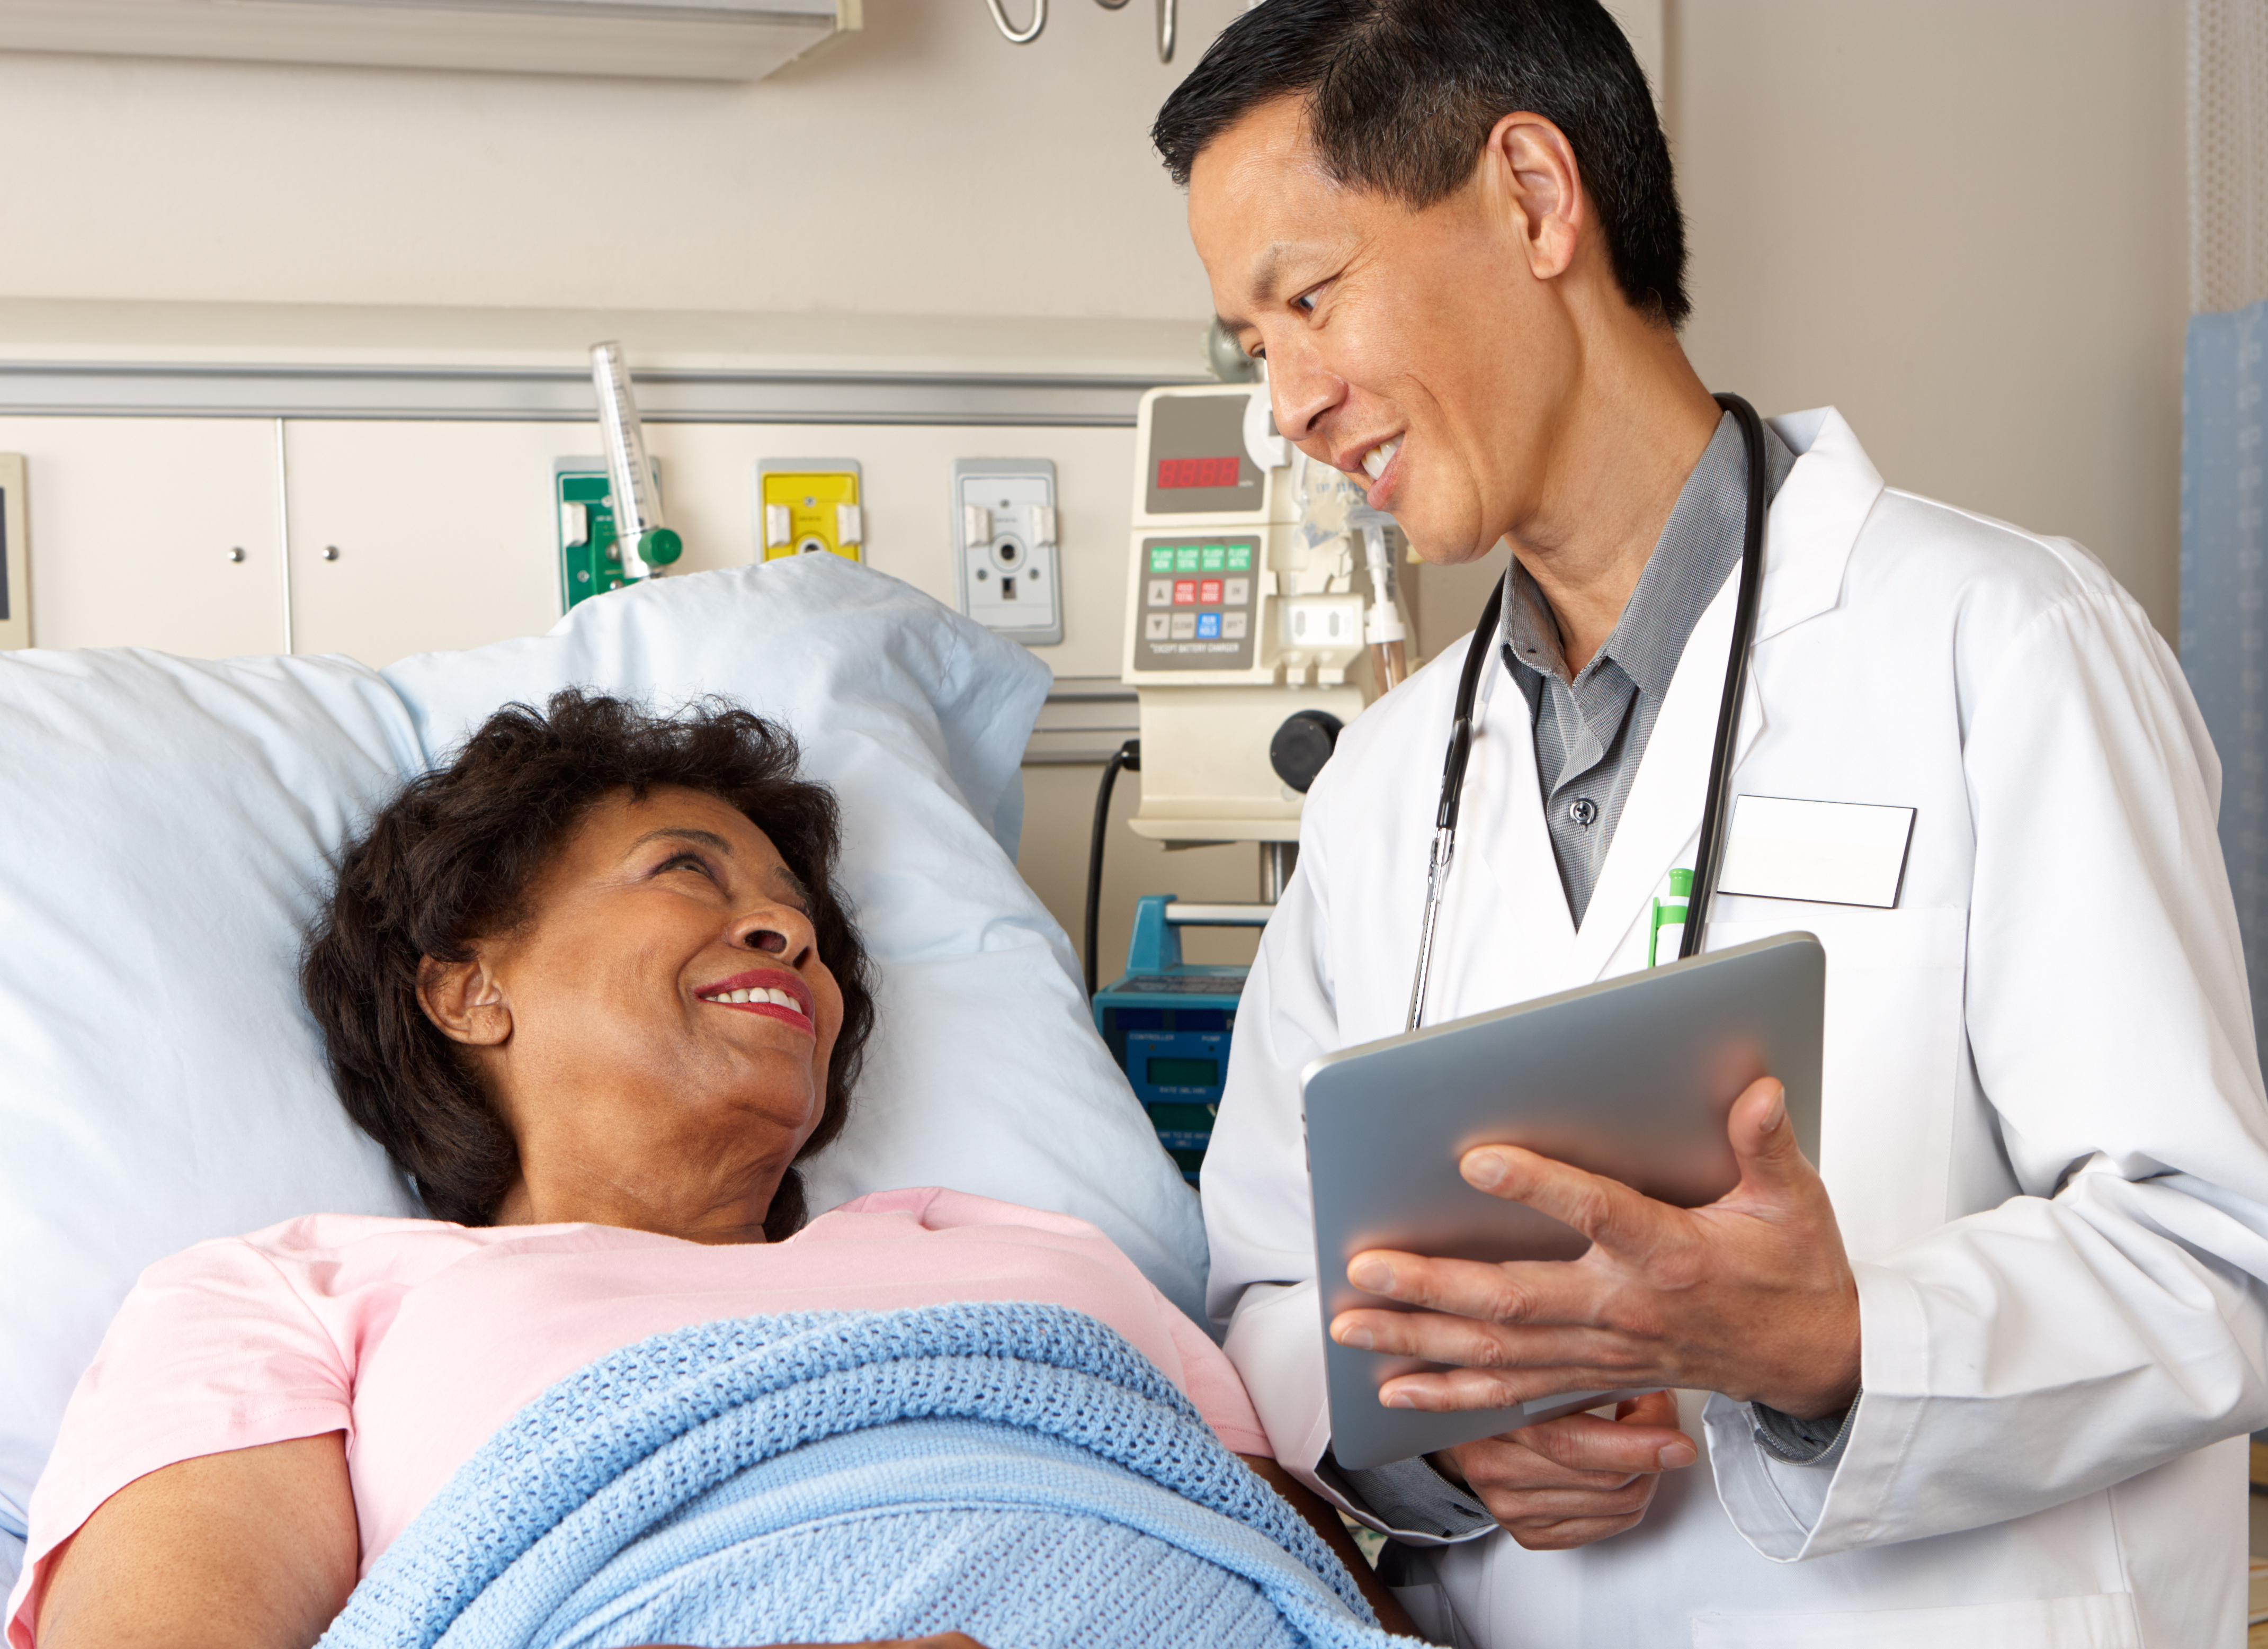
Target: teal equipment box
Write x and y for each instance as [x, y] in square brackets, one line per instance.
[1167, 1024]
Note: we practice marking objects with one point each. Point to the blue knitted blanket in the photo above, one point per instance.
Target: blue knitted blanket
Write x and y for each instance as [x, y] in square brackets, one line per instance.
[1016, 1472]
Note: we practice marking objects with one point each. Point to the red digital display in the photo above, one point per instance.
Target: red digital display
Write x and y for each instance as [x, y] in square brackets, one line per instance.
[1196, 472]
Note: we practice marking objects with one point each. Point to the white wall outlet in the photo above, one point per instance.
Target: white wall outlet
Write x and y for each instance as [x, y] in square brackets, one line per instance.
[1004, 519]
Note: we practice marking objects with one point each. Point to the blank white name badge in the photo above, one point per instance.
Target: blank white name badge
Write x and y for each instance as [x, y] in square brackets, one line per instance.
[1831, 852]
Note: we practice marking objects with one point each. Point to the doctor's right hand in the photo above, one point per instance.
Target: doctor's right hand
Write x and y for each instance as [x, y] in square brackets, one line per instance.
[1573, 1481]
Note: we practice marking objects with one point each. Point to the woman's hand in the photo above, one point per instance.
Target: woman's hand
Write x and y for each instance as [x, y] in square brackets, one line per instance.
[1323, 1517]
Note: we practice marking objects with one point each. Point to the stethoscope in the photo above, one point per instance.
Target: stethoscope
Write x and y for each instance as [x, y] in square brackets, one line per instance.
[1708, 858]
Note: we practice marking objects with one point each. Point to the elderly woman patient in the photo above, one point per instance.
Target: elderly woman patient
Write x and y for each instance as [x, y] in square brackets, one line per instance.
[592, 988]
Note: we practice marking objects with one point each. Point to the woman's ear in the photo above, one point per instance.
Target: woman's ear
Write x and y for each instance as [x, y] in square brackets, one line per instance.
[464, 1001]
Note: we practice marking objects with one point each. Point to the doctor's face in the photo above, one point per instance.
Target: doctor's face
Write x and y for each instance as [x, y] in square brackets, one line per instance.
[1416, 350]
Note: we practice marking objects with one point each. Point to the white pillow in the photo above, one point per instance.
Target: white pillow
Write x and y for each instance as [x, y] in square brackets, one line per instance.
[170, 825]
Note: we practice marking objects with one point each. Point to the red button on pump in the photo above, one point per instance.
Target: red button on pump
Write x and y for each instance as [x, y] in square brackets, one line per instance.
[1209, 593]
[1185, 593]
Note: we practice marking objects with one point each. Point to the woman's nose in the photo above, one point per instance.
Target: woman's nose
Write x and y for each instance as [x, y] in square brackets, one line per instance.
[781, 935]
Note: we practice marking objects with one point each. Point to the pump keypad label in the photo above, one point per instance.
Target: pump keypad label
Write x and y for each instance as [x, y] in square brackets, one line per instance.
[1197, 603]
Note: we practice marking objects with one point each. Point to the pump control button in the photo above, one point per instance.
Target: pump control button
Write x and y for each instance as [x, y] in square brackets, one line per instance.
[1161, 593]
[1236, 592]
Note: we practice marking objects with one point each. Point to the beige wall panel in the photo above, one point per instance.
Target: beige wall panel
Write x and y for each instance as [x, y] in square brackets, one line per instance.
[922, 164]
[132, 520]
[708, 484]
[444, 533]
[1963, 223]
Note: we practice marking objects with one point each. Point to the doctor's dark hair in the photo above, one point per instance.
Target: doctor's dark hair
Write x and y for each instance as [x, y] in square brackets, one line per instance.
[1400, 95]
[454, 857]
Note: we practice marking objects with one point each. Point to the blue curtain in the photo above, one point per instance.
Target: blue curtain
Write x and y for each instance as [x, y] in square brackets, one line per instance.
[2225, 595]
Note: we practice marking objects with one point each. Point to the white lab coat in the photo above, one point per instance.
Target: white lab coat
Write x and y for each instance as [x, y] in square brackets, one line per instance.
[2043, 1127]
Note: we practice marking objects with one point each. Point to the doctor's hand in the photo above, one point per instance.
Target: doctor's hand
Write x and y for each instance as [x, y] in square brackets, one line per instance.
[1569, 1481]
[1750, 1295]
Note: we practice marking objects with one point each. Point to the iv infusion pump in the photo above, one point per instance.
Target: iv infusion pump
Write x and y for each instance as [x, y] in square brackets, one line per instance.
[1248, 602]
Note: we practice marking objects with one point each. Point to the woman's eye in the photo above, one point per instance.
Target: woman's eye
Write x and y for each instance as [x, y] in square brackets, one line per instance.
[686, 862]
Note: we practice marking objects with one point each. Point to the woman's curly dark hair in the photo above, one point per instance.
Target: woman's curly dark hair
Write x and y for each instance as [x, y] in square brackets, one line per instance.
[451, 860]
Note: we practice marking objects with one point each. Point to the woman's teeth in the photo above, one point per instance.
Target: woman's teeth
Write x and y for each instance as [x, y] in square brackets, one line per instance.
[777, 998]
[1375, 461]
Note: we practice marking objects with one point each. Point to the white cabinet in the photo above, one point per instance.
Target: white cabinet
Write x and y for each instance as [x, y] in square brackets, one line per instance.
[415, 537]
[162, 533]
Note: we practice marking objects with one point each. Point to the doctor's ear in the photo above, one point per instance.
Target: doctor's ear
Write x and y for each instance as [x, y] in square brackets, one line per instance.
[1531, 168]
[464, 1001]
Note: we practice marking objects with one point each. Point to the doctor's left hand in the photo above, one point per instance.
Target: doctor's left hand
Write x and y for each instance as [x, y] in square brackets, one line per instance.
[1750, 1295]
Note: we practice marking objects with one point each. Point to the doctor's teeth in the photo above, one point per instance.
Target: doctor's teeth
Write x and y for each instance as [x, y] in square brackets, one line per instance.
[1375, 461]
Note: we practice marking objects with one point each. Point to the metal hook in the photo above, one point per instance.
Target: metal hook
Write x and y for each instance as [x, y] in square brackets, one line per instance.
[1166, 31]
[1039, 22]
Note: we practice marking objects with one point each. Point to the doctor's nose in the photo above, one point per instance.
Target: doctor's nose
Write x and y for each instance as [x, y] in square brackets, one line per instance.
[1303, 392]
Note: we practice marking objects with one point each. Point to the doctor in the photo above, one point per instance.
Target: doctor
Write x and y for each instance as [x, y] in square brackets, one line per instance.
[1980, 1377]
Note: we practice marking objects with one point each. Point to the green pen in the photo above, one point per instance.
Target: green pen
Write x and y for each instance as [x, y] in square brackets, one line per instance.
[1668, 913]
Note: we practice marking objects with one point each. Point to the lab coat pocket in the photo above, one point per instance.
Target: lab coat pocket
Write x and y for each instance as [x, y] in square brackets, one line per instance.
[2105, 1620]
[1891, 1059]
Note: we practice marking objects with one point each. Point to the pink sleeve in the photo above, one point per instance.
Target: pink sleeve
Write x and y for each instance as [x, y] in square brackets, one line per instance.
[1216, 1387]
[214, 1350]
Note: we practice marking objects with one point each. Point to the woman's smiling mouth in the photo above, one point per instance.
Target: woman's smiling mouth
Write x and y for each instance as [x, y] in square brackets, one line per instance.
[774, 992]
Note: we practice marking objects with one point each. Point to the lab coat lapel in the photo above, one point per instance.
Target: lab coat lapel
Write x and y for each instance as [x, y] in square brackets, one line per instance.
[1518, 942]
[1661, 816]
[1814, 520]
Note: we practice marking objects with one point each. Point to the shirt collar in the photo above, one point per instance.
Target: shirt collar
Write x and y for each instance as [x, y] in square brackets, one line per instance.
[1699, 545]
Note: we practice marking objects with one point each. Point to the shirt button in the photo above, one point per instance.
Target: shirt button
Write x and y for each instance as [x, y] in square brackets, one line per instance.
[1583, 811]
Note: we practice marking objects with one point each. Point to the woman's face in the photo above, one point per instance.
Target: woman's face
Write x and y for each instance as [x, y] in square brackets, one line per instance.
[657, 1032]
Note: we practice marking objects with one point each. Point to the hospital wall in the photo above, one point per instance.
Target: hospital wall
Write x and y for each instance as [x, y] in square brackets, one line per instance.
[1960, 220]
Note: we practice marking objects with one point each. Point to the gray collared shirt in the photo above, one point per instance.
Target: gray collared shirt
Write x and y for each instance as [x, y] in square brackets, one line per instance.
[1591, 729]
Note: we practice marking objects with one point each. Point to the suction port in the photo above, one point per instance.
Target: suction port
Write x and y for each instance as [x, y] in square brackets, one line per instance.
[1302, 745]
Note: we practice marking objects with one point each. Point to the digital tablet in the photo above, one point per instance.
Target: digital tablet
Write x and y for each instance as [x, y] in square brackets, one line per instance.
[1632, 1078]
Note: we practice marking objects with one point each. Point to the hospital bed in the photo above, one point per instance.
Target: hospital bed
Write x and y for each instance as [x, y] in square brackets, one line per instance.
[168, 826]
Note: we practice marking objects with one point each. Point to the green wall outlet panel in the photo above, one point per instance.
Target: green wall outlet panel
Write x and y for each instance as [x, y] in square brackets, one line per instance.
[590, 560]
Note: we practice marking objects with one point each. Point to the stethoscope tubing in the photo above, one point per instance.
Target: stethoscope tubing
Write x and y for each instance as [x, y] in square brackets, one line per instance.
[1708, 857]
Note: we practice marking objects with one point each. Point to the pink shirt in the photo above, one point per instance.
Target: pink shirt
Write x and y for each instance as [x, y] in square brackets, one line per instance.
[418, 1338]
